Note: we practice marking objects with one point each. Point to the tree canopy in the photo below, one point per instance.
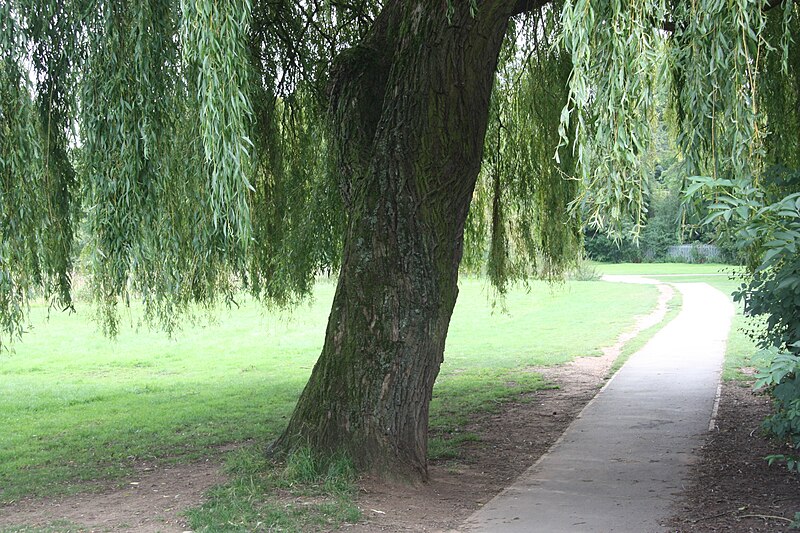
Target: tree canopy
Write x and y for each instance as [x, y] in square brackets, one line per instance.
[187, 140]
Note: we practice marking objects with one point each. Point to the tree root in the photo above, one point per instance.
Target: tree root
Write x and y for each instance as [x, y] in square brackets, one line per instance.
[766, 517]
[762, 516]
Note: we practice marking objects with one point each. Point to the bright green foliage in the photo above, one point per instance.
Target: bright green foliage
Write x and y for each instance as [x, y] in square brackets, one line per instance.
[187, 140]
[214, 37]
[131, 137]
[36, 178]
[615, 48]
[755, 79]
[780, 377]
[770, 232]
[716, 86]
[778, 95]
[719, 54]
[194, 164]
[520, 224]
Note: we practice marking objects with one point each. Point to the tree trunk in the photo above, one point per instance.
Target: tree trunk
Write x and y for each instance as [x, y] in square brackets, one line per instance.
[409, 112]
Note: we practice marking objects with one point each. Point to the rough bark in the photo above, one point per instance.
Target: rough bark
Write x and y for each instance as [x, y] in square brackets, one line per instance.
[409, 112]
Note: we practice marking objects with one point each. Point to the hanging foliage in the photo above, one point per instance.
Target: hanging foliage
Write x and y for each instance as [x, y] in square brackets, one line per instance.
[520, 224]
[762, 212]
[39, 50]
[190, 141]
[615, 49]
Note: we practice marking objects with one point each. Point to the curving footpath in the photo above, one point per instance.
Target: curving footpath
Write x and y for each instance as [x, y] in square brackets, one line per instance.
[622, 463]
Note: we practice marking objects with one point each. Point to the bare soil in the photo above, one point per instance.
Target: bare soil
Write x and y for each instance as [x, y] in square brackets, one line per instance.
[733, 489]
[149, 502]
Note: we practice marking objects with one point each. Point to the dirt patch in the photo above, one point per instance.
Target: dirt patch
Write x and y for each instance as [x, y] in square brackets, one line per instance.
[732, 488]
[150, 502]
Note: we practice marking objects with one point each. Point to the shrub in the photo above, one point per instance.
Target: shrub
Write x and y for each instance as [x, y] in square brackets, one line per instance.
[779, 376]
[769, 231]
[600, 247]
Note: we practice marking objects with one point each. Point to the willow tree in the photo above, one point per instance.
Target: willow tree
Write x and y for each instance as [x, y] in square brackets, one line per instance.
[202, 148]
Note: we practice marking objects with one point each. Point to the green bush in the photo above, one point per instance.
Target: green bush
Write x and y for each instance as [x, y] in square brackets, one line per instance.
[779, 376]
[768, 229]
[600, 247]
[661, 231]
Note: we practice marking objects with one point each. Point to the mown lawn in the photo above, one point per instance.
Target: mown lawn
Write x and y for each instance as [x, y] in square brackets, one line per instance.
[77, 407]
[666, 269]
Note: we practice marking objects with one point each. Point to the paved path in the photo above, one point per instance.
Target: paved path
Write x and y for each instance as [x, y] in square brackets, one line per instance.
[622, 462]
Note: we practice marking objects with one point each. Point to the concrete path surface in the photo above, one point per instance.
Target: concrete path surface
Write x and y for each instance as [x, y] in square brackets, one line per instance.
[622, 462]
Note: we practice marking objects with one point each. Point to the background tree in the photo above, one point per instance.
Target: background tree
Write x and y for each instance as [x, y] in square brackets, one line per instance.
[203, 130]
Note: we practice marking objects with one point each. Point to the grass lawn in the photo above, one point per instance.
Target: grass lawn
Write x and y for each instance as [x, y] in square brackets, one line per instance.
[666, 269]
[76, 407]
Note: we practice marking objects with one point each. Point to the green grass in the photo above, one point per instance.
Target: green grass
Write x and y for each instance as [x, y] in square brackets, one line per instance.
[79, 411]
[77, 407]
[302, 494]
[540, 326]
[669, 269]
